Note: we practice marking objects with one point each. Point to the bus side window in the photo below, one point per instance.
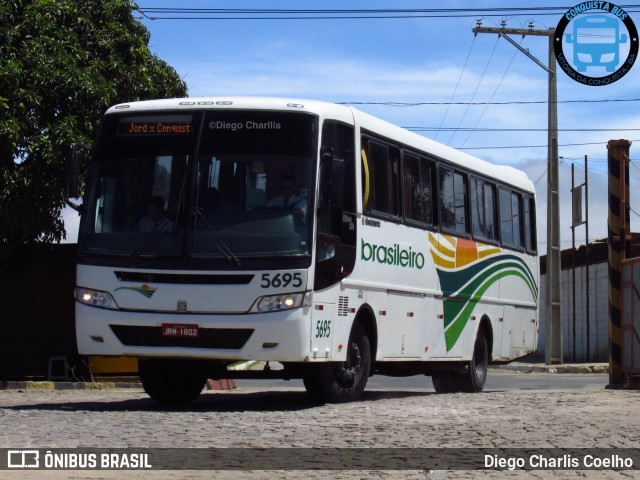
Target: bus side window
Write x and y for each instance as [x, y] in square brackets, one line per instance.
[530, 225]
[417, 189]
[483, 207]
[452, 200]
[516, 209]
[510, 218]
[381, 178]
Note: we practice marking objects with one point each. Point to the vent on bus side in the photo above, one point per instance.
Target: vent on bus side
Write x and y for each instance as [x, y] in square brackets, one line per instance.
[343, 306]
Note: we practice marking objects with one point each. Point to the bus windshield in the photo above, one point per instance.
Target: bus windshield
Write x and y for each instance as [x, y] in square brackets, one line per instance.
[215, 184]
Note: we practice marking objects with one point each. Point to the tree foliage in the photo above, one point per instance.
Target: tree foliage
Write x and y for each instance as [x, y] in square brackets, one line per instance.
[62, 63]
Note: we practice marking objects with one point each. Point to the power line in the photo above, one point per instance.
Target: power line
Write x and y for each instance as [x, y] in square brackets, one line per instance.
[476, 90]
[177, 13]
[457, 85]
[484, 110]
[502, 147]
[482, 129]
[513, 102]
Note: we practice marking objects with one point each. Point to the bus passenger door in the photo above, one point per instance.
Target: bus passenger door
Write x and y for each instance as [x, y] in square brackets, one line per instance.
[508, 312]
[404, 327]
[524, 334]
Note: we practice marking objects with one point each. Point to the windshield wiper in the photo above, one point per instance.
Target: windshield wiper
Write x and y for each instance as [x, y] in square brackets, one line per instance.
[213, 236]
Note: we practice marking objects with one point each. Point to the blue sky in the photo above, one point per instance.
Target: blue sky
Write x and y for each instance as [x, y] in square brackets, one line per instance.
[416, 60]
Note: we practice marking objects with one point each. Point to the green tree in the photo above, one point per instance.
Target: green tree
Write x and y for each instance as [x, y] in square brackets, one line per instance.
[62, 63]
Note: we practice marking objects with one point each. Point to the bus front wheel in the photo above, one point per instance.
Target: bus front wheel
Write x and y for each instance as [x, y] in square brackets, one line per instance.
[342, 381]
[171, 382]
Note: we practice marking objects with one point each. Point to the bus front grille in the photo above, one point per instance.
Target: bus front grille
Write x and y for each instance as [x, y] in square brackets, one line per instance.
[218, 338]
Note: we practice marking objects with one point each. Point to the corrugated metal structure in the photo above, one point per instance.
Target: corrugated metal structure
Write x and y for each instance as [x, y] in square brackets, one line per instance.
[631, 316]
[585, 339]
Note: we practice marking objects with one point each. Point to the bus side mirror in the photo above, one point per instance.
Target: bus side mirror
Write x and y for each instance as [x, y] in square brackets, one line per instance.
[623, 38]
[569, 38]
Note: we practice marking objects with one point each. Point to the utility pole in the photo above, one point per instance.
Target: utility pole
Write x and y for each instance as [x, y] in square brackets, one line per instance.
[553, 327]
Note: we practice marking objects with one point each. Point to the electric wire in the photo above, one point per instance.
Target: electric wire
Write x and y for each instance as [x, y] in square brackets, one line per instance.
[181, 13]
[455, 90]
[486, 129]
[506, 147]
[473, 129]
[476, 89]
[512, 102]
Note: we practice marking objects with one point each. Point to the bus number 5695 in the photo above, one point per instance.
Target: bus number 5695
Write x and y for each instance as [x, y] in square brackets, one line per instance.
[281, 280]
[323, 328]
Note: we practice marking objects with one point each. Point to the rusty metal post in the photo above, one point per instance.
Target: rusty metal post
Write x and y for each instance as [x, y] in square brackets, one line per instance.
[618, 219]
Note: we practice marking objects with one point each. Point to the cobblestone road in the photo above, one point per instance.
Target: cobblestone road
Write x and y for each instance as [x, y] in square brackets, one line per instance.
[247, 417]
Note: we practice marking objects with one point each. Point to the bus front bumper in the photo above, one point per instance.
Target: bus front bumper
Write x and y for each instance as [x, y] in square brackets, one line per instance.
[276, 336]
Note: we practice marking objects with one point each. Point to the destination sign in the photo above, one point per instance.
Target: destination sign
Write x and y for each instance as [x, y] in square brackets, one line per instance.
[155, 126]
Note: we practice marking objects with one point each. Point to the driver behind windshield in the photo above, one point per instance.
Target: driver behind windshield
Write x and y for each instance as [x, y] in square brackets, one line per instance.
[287, 200]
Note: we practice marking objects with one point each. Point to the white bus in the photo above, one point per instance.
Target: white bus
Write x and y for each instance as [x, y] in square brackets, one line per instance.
[219, 230]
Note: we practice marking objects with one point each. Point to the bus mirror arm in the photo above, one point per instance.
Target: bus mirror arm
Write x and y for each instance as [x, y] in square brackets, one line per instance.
[76, 206]
[72, 174]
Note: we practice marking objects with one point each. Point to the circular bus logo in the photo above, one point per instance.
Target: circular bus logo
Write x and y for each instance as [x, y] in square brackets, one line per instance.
[596, 43]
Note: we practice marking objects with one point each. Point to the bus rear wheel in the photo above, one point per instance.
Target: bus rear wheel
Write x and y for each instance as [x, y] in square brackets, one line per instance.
[473, 379]
[342, 381]
[171, 382]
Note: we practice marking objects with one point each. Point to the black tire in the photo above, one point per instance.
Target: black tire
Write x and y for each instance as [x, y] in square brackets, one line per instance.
[171, 382]
[342, 381]
[471, 381]
[312, 384]
[446, 382]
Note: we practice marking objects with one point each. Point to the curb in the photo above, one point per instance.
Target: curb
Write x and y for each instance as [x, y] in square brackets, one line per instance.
[528, 368]
[49, 386]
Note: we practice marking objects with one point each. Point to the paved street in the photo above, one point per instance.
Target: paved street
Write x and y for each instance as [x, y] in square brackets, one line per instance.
[283, 417]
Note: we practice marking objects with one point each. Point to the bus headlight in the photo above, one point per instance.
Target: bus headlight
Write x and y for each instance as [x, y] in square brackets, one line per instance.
[278, 303]
[95, 298]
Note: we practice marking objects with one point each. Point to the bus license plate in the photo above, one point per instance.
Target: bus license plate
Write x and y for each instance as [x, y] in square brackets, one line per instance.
[180, 330]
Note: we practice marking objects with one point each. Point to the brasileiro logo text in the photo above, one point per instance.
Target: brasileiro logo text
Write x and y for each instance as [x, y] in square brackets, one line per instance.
[391, 255]
[590, 42]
